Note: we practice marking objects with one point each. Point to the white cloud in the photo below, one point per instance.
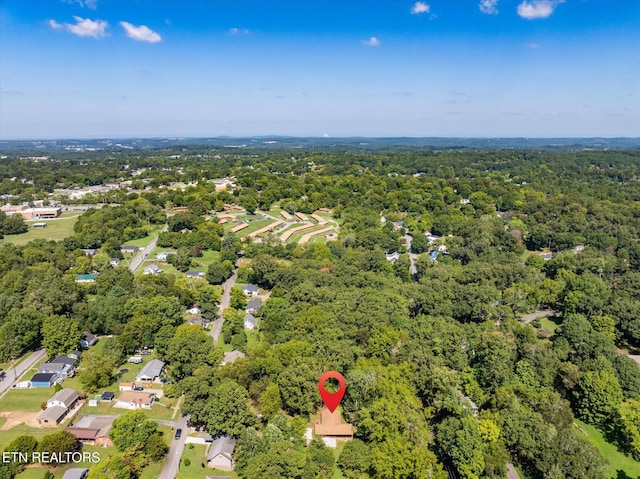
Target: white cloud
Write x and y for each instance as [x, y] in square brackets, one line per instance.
[238, 31]
[420, 7]
[372, 42]
[532, 45]
[489, 7]
[141, 33]
[533, 9]
[92, 4]
[83, 27]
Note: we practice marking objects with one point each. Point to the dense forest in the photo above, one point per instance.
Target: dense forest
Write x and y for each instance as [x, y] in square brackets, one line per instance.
[416, 350]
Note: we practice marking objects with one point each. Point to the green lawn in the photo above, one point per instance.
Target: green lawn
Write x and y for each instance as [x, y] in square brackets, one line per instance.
[549, 324]
[207, 258]
[194, 470]
[255, 226]
[618, 462]
[25, 399]
[56, 230]
[10, 434]
[337, 473]
[35, 472]
[142, 242]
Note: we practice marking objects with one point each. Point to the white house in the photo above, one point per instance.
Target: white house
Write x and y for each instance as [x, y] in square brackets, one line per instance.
[220, 455]
[250, 321]
[135, 400]
[251, 290]
[152, 269]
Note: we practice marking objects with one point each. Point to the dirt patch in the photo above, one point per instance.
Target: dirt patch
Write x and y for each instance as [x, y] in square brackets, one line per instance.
[15, 418]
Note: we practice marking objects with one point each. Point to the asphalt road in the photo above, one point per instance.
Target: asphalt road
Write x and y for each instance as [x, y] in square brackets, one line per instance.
[13, 374]
[511, 472]
[412, 256]
[172, 462]
[142, 255]
[216, 329]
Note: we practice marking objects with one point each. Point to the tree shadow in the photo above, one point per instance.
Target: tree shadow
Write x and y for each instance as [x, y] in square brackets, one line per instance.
[623, 475]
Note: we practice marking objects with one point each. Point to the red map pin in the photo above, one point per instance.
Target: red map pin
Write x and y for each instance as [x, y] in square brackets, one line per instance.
[332, 400]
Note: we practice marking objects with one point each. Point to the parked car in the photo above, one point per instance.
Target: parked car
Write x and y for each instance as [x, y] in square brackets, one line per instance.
[178, 434]
[135, 387]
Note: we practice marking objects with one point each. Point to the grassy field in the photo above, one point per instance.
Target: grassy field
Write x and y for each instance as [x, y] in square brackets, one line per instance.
[10, 434]
[619, 464]
[56, 230]
[549, 324]
[28, 400]
[194, 470]
[142, 242]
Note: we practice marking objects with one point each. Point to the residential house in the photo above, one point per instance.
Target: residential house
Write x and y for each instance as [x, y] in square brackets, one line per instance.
[164, 255]
[61, 369]
[52, 416]
[75, 354]
[44, 380]
[76, 473]
[392, 257]
[114, 262]
[152, 269]
[331, 427]
[251, 290]
[129, 249]
[135, 400]
[90, 251]
[250, 322]
[194, 309]
[65, 360]
[220, 455]
[58, 407]
[87, 339]
[195, 274]
[93, 430]
[253, 306]
[151, 371]
[232, 356]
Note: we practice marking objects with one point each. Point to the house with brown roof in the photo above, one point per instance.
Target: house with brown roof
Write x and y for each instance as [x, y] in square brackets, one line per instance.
[135, 400]
[93, 430]
[331, 426]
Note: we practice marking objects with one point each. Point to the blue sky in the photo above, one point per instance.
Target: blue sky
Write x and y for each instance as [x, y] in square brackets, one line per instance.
[496, 68]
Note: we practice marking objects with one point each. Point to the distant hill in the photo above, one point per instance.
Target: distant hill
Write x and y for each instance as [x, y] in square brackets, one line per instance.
[310, 143]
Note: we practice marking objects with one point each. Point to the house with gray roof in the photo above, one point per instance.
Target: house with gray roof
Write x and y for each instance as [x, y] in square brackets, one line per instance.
[220, 455]
[253, 306]
[250, 321]
[232, 356]
[151, 371]
[250, 290]
[60, 369]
